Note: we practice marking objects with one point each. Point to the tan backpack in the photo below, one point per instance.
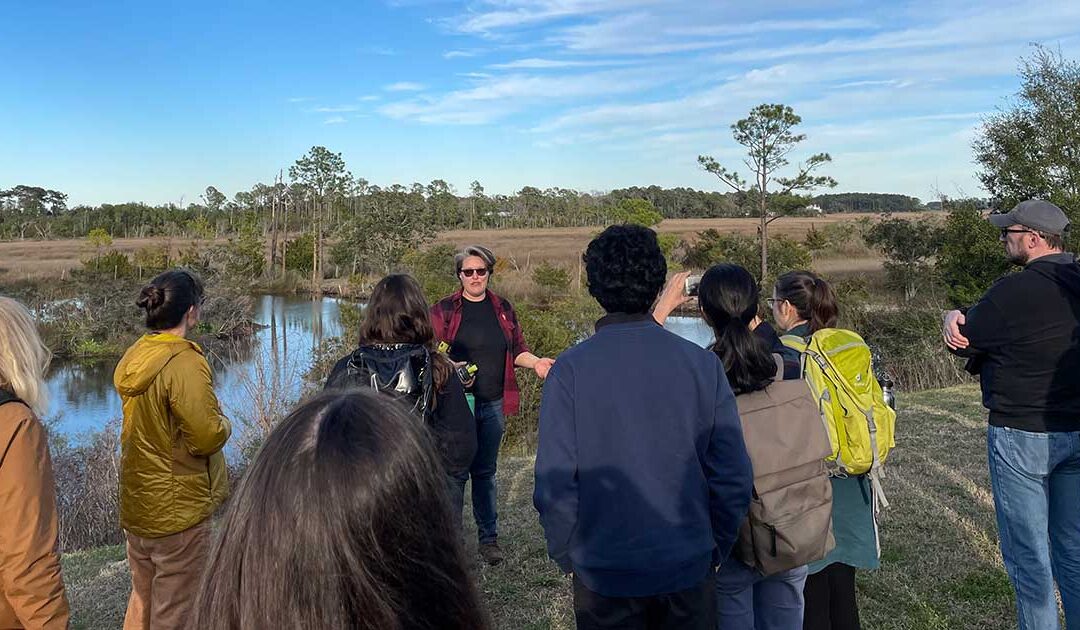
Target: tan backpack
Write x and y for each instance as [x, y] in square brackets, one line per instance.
[790, 519]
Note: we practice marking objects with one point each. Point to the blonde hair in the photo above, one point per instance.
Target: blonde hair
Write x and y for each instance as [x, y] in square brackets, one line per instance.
[23, 357]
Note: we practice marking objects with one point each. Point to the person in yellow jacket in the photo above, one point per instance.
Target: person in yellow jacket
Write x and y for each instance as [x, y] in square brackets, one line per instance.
[31, 586]
[172, 470]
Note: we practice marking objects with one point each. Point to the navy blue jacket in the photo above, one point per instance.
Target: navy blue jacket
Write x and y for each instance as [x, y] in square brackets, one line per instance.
[642, 476]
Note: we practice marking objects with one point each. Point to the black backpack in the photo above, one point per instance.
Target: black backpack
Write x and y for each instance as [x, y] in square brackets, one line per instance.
[400, 370]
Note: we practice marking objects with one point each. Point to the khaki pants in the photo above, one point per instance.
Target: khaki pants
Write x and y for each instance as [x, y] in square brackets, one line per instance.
[165, 574]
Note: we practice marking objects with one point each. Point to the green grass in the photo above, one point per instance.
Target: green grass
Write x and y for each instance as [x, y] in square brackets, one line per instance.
[941, 569]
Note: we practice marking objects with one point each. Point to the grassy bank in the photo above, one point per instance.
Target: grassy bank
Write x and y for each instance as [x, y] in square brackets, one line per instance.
[940, 563]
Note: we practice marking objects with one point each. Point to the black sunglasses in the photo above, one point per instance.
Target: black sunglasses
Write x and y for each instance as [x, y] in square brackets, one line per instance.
[1005, 232]
[468, 273]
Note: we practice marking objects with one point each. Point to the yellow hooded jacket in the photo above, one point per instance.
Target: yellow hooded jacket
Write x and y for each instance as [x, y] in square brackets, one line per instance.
[172, 471]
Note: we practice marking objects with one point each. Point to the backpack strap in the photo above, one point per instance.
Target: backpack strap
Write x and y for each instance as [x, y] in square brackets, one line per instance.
[8, 396]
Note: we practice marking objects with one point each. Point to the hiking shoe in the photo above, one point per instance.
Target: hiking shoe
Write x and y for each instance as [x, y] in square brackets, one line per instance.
[491, 553]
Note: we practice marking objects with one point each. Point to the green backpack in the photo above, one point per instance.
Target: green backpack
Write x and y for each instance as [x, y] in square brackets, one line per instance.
[838, 366]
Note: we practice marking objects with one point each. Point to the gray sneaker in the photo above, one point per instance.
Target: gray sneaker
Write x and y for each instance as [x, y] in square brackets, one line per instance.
[491, 553]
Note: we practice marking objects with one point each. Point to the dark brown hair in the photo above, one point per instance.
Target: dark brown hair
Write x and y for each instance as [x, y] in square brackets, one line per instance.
[811, 296]
[398, 313]
[168, 297]
[342, 522]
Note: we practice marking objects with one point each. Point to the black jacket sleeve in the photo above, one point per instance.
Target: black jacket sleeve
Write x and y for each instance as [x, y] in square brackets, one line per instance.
[454, 427]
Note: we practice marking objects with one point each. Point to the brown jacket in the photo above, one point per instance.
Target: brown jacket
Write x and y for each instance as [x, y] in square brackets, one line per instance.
[172, 470]
[31, 587]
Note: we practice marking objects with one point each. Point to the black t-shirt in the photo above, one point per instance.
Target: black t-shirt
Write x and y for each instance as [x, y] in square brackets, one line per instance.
[480, 340]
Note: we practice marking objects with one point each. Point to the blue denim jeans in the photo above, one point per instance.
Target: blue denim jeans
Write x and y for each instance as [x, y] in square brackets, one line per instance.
[748, 600]
[490, 424]
[1036, 483]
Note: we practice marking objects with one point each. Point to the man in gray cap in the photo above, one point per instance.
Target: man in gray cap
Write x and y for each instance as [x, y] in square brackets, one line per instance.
[1023, 340]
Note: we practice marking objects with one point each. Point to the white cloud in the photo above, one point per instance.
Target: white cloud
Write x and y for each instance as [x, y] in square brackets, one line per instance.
[405, 86]
[300, 99]
[336, 109]
[547, 64]
[494, 98]
[334, 120]
[773, 26]
[460, 54]
[369, 97]
[496, 15]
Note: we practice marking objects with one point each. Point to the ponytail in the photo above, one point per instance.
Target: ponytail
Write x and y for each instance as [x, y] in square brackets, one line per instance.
[814, 300]
[728, 296]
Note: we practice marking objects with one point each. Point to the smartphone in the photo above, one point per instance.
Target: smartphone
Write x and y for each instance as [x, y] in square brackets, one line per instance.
[691, 287]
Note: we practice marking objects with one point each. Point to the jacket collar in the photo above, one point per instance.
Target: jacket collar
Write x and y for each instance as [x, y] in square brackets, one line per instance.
[1064, 258]
[612, 319]
[802, 330]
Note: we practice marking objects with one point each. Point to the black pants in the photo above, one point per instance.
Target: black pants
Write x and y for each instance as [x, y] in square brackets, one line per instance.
[830, 599]
[692, 609]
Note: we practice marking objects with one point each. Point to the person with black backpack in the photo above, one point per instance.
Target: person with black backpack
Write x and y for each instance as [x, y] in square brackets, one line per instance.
[397, 356]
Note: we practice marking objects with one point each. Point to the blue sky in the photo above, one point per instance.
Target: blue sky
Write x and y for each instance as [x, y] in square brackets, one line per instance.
[152, 101]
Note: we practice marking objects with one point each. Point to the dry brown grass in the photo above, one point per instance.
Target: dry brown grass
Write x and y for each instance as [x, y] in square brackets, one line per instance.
[522, 247]
[941, 569]
[565, 245]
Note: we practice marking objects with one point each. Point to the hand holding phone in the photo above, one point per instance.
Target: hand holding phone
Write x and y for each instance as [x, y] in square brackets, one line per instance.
[691, 285]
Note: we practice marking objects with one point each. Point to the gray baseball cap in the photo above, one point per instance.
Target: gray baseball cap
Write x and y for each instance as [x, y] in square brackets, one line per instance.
[1041, 216]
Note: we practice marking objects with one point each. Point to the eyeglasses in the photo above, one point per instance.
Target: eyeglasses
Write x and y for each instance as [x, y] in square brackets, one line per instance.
[468, 273]
[773, 301]
[1005, 232]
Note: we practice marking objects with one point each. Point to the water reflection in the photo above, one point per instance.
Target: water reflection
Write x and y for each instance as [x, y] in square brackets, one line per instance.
[259, 372]
[268, 365]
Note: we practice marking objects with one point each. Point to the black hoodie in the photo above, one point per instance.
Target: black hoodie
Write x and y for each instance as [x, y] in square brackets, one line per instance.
[1024, 337]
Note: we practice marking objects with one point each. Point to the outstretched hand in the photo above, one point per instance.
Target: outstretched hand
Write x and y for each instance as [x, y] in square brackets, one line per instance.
[543, 366]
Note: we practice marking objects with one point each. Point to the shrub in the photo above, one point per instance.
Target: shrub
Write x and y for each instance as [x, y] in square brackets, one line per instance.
[909, 247]
[712, 247]
[907, 343]
[243, 256]
[87, 488]
[551, 277]
[299, 252]
[971, 256]
[150, 260]
[111, 264]
[433, 268]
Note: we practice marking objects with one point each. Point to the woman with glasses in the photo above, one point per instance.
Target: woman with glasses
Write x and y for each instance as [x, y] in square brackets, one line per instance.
[172, 471]
[481, 328]
[803, 304]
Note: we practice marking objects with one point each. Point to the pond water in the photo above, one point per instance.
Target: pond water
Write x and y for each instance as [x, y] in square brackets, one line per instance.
[270, 363]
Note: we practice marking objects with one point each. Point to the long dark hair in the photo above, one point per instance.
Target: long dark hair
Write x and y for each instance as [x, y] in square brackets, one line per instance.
[728, 296]
[812, 297]
[168, 297]
[398, 313]
[341, 522]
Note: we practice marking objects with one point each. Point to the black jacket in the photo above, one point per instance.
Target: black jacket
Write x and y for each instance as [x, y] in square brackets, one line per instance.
[452, 423]
[1024, 337]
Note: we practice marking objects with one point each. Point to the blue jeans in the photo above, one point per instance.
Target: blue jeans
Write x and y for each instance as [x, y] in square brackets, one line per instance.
[490, 424]
[748, 600]
[1036, 483]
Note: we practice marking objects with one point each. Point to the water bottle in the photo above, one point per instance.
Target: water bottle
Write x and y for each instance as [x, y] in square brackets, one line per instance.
[887, 393]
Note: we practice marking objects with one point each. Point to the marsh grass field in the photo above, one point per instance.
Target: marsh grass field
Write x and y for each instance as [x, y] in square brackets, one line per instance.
[941, 569]
[563, 246]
